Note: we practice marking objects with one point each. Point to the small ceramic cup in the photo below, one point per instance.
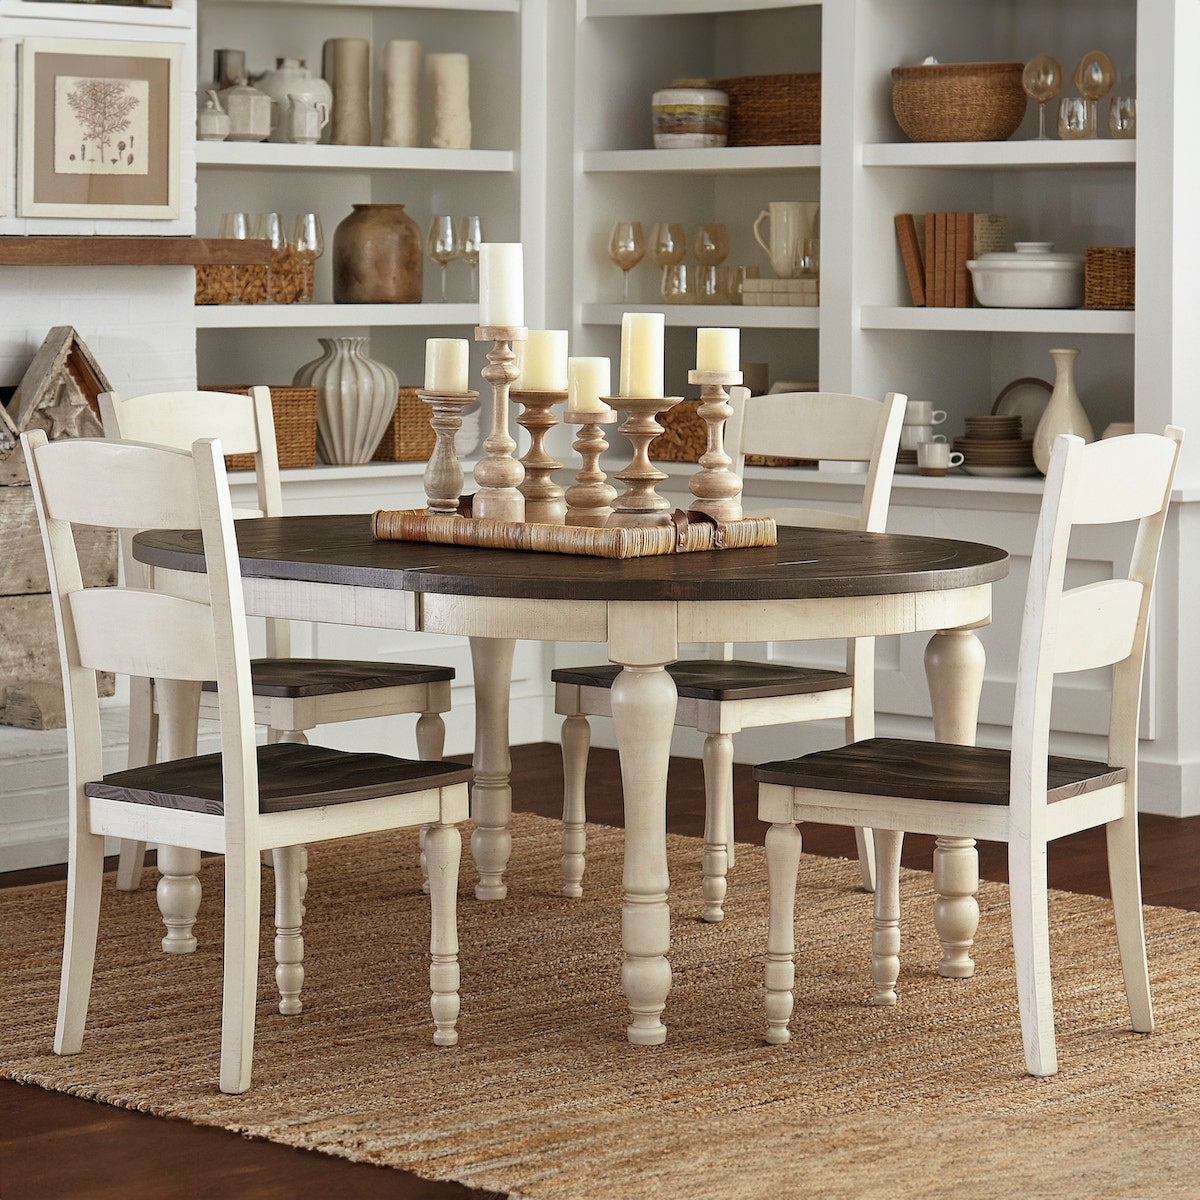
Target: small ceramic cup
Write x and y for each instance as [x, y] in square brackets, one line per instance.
[922, 412]
[936, 458]
[912, 436]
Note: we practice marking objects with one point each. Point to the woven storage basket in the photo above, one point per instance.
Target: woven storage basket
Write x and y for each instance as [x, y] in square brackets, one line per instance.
[294, 410]
[1108, 277]
[773, 110]
[685, 438]
[959, 102]
[409, 437]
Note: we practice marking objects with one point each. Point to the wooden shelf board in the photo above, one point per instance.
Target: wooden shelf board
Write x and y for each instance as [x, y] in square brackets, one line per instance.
[91, 251]
[744, 316]
[309, 316]
[1028, 153]
[998, 320]
[283, 155]
[725, 159]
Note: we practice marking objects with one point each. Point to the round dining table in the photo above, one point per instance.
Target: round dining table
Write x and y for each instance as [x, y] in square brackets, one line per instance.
[812, 584]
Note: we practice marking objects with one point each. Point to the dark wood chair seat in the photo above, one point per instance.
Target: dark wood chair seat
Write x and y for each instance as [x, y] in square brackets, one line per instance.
[290, 776]
[292, 678]
[930, 771]
[721, 679]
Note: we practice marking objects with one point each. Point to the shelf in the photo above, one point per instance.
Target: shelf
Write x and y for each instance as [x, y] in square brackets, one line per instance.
[91, 251]
[114, 14]
[748, 316]
[725, 159]
[669, 8]
[282, 155]
[498, 6]
[998, 320]
[972, 155]
[309, 316]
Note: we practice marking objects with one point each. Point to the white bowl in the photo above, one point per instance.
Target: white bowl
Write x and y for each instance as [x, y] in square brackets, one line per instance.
[1032, 277]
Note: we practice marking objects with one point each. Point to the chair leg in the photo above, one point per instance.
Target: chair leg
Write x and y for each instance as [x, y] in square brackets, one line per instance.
[289, 917]
[865, 842]
[431, 744]
[143, 750]
[718, 833]
[1124, 877]
[444, 849]
[1031, 946]
[783, 863]
[956, 911]
[576, 740]
[243, 879]
[860, 725]
[885, 927]
[85, 875]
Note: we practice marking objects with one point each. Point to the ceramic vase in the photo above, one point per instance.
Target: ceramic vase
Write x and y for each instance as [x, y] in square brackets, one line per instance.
[1064, 413]
[348, 69]
[290, 80]
[356, 398]
[378, 257]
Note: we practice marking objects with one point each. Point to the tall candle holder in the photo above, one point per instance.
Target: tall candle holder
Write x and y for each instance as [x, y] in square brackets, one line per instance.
[589, 498]
[499, 474]
[443, 473]
[544, 499]
[717, 489]
[640, 506]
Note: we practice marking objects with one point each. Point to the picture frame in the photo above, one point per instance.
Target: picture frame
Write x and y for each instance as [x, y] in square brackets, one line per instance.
[99, 129]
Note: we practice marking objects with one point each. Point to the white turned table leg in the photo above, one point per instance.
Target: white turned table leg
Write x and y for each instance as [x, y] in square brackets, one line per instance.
[491, 793]
[643, 708]
[718, 825]
[444, 849]
[576, 741]
[431, 744]
[954, 662]
[178, 890]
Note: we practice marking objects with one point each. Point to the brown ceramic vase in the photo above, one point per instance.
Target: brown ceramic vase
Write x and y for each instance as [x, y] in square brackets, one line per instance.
[377, 257]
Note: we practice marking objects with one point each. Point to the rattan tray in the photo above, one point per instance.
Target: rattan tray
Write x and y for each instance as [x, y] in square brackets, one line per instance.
[686, 535]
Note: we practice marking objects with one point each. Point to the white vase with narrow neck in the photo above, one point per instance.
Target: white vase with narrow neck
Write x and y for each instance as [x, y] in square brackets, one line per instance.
[1064, 413]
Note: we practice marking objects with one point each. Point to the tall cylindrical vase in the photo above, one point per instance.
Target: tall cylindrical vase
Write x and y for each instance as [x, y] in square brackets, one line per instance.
[401, 94]
[347, 67]
[356, 397]
[449, 85]
[1064, 412]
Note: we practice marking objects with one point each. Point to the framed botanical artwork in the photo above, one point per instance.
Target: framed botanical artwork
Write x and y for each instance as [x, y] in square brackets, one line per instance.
[99, 129]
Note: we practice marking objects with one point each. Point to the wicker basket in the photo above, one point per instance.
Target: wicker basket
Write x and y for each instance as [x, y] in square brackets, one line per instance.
[685, 438]
[773, 110]
[1108, 277]
[294, 410]
[409, 437]
[959, 102]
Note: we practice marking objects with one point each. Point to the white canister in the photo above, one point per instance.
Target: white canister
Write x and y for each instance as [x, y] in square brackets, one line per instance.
[690, 117]
[212, 122]
[249, 113]
[291, 77]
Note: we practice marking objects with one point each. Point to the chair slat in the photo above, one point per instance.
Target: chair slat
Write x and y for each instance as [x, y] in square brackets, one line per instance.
[835, 426]
[1120, 479]
[175, 419]
[1097, 624]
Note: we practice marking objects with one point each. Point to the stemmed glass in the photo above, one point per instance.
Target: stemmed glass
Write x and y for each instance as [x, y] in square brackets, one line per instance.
[234, 225]
[269, 227]
[711, 247]
[443, 245]
[470, 234]
[627, 248]
[1094, 79]
[1042, 80]
[308, 243]
[668, 245]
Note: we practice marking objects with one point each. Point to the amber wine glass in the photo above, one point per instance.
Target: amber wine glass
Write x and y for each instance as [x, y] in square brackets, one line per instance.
[627, 248]
[1042, 80]
[443, 245]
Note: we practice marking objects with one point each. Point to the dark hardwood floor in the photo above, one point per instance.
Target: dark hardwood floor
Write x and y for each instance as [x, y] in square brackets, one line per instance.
[56, 1146]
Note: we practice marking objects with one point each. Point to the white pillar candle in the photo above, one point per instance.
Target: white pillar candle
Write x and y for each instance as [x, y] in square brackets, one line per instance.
[587, 380]
[446, 364]
[449, 107]
[501, 284]
[717, 349]
[642, 354]
[543, 361]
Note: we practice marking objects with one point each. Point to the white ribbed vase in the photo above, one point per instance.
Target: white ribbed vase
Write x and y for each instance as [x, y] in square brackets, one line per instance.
[356, 397]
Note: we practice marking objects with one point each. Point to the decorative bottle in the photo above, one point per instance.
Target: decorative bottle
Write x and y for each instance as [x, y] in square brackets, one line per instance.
[1064, 413]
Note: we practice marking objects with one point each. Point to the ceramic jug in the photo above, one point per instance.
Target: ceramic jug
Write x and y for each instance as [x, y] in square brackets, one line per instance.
[792, 221]
[249, 113]
[291, 77]
[305, 120]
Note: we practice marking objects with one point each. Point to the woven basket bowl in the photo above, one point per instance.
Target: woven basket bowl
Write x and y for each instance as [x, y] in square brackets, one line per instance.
[959, 102]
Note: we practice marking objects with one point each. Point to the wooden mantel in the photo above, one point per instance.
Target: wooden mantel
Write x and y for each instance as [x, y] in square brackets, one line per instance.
[34, 250]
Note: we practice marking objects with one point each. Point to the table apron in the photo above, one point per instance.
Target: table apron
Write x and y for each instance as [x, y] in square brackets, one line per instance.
[505, 617]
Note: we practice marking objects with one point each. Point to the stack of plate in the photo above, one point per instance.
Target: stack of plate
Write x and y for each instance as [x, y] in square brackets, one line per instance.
[993, 446]
[906, 461]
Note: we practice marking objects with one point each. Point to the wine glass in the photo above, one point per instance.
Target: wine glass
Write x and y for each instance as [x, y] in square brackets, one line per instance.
[470, 234]
[1042, 80]
[308, 243]
[443, 245]
[668, 243]
[627, 248]
[234, 225]
[268, 226]
[711, 245]
[1094, 78]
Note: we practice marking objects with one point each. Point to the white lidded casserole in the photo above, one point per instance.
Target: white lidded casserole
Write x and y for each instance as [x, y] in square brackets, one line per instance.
[1031, 276]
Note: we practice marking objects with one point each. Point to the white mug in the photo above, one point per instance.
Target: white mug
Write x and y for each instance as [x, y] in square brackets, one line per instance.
[922, 412]
[792, 221]
[912, 436]
[936, 458]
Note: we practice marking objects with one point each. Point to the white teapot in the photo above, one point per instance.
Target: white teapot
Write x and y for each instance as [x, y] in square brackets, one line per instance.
[249, 113]
[291, 78]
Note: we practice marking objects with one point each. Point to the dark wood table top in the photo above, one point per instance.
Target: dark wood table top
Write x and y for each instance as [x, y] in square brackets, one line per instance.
[806, 563]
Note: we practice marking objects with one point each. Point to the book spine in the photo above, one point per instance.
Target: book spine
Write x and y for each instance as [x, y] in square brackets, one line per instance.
[910, 253]
[963, 241]
[930, 258]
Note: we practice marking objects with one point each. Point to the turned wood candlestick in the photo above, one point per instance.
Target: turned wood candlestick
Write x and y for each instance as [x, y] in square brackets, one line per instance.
[589, 498]
[640, 506]
[443, 472]
[544, 499]
[499, 475]
[717, 489]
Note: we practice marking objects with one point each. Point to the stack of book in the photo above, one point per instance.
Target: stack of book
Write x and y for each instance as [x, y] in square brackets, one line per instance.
[935, 248]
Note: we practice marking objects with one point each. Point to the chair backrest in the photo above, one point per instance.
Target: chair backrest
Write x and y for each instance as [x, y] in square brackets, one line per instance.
[134, 631]
[832, 427]
[1113, 481]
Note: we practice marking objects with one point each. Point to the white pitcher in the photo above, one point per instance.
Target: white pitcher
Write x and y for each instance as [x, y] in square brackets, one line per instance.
[306, 119]
[791, 222]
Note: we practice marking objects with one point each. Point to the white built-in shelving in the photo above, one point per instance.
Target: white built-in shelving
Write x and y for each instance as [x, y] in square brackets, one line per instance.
[333, 316]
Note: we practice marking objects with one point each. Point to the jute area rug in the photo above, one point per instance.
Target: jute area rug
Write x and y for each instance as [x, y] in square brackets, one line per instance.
[543, 1097]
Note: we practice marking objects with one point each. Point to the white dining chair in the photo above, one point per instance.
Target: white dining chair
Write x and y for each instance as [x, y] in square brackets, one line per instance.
[1023, 795]
[291, 695]
[719, 695]
[239, 802]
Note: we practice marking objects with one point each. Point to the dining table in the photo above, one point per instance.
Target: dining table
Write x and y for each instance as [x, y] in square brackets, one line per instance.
[811, 584]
